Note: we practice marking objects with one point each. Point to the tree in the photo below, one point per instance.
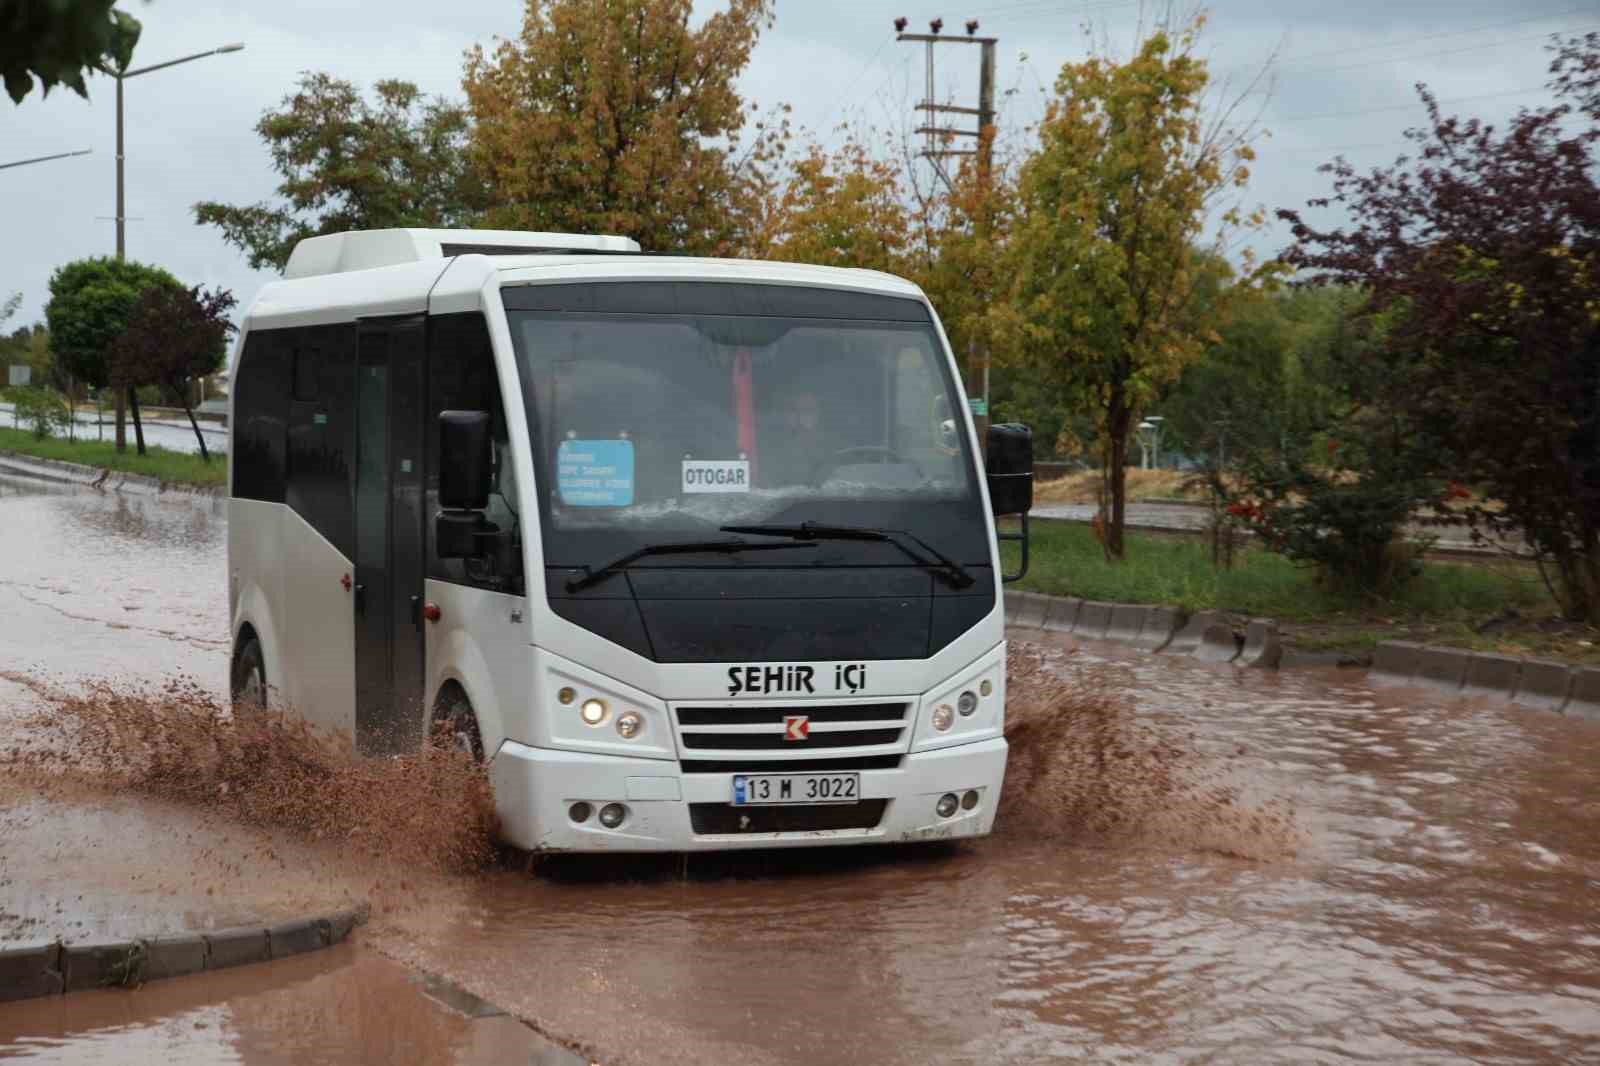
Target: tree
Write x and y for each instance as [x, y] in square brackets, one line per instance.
[843, 208]
[1482, 254]
[173, 337]
[1105, 301]
[1267, 376]
[91, 302]
[56, 41]
[347, 164]
[619, 117]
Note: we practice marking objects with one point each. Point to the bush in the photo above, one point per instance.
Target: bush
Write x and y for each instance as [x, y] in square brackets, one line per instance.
[42, 410]
[1349, 519]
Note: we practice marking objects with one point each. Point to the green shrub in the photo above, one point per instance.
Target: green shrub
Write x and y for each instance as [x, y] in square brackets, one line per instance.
[44, 411]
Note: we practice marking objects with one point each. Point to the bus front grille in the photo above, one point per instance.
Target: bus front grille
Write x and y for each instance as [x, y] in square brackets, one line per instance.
[784, 766]
[797, 733]
[710, 818]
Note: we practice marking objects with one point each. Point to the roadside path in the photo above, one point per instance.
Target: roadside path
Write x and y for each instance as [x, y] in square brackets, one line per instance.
[1191, 518]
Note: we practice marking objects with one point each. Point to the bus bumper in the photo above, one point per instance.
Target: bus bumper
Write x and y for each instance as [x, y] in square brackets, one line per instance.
[536, 788]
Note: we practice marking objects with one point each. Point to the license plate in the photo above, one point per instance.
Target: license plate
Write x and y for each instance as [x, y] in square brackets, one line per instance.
[757, 790]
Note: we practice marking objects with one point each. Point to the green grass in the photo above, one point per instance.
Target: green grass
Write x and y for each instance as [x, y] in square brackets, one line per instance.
[160, 463]
[1441, 605]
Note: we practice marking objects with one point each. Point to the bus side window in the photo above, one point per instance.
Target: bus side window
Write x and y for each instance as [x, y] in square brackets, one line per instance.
[462, 377]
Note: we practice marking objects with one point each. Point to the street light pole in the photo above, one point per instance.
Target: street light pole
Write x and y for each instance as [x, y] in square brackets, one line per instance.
[122, 218]
[43, 158]
[122, 213]
[121, 76]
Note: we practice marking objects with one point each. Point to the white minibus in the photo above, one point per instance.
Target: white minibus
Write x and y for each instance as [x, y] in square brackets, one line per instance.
[694, 554]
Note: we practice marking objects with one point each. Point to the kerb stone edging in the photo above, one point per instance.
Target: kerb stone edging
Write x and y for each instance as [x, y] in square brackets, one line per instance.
[99, 477]
[1534, 683]
[1540, 684]
[54, 968]
[1139, 624]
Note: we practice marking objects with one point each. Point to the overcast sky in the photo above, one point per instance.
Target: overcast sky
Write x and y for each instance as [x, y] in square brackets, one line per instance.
[1344, 80]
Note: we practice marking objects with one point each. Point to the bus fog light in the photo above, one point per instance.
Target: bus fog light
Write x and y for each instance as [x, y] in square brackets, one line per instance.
[967, 704]
[945, 807]
[628, 724]
[580, 811]
[614, 814]
[593, 711]
[987, 687]
[944, 717]
[567, 695]
[969, 799]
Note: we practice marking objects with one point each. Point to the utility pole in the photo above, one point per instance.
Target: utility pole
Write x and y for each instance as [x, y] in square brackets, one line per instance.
[937, 148]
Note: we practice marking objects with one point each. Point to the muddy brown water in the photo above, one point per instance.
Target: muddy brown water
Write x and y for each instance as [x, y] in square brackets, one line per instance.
[1285, 868]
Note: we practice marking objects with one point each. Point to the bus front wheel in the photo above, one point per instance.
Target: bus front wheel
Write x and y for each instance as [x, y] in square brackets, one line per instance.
[250, 677]
[455, 726]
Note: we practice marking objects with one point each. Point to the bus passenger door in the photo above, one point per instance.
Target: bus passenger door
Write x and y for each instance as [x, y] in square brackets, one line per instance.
[390, 396]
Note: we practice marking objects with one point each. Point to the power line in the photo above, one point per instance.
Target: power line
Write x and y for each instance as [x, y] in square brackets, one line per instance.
[1038, 9]
[1293, 61]
[1408, 107]
[854, 82]
[1340, 148]
[1441, 36]
[1445, 52]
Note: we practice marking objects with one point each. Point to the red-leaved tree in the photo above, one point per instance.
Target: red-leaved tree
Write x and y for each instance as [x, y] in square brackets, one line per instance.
[1481, 256]
[173, 337]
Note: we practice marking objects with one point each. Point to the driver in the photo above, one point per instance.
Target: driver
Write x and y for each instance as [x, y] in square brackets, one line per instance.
[798, 445]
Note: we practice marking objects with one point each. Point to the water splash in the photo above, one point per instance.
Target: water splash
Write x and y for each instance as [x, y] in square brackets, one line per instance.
[1082, 768]
[430, 810]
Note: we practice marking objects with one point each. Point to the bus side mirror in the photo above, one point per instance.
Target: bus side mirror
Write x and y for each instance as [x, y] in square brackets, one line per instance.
[464, 464]
[1008, 462]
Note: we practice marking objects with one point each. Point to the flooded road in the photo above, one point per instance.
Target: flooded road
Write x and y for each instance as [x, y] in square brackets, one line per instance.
[1213, 866]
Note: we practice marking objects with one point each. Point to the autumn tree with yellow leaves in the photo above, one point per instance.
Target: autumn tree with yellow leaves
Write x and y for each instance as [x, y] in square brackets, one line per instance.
[622, 117]
[1110, 259]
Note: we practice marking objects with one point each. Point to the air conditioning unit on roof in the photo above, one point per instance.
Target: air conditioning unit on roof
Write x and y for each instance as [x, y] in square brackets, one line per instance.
[338, 253]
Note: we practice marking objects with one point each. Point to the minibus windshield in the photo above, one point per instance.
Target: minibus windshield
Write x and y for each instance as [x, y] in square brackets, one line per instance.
[652, 426]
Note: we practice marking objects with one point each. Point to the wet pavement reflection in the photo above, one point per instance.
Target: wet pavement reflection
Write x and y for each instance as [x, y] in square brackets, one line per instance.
[1436, 903]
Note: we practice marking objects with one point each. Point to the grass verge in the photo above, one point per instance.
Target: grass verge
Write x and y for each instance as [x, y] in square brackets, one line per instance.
[178, 467]
[1448, 603]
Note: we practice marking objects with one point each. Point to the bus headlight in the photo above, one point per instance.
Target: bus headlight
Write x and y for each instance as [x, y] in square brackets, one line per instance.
[629, 723]
[968, 707]
[593, 711]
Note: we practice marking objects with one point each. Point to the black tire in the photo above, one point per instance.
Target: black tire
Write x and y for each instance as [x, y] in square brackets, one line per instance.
[249, 681]
[455, 725]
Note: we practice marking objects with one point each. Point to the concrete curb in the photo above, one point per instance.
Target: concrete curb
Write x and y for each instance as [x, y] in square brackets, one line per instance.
[1538, 684]
[55, 968]
[1262, 648]
[62, 472]
[1138, 625]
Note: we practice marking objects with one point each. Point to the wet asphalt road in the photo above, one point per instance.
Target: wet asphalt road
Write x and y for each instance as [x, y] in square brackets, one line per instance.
[173, 433]
[1435, 903]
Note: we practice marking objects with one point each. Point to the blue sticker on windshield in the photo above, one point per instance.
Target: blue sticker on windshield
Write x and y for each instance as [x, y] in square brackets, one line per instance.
[595, 473]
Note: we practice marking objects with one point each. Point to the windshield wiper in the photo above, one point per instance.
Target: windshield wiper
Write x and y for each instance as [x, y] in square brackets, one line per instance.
[954, 574]
[692, 547]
